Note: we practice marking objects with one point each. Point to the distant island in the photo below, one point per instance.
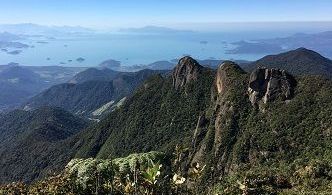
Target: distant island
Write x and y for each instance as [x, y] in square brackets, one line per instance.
[17, 45]
[322, 44]
[14, 52]
[80, 59]
[153, 30]
[243, 47]
[111, 64]
[42, 42]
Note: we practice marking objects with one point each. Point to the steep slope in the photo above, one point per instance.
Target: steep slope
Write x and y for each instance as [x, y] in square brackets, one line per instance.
[267, 132]
[160, 114]
[165, 121]
[232, 135]
[297, 62]
[26, 138]
[86, 97]
[76, 98]
[265, 148]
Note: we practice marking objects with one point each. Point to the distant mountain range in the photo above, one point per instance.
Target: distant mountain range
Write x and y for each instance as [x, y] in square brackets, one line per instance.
[90, 91]
[35, 29]
[7, 37]
[19, 83]
[94, 74]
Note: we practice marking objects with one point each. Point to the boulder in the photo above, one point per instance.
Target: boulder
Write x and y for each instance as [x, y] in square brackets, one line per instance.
[267, 85]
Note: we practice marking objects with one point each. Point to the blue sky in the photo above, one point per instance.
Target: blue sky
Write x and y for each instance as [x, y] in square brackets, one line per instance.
[135, 13]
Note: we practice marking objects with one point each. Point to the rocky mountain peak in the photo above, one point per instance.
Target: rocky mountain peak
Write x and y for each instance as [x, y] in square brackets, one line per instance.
[185, 71]
[225, 70]
[270, 84]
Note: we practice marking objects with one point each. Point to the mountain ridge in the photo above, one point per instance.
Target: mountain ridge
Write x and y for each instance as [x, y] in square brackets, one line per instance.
[266, 146]
[301, 61]
[90, 90]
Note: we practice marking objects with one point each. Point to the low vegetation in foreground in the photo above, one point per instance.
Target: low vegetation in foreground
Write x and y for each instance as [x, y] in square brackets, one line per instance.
[157, 173]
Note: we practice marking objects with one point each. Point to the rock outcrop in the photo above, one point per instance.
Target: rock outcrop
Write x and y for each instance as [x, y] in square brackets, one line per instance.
[270, 84]
[210, 137]
[186, 70]
[223, 73]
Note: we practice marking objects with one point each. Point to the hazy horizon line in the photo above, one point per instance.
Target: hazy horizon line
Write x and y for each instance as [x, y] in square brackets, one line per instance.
[179, 26]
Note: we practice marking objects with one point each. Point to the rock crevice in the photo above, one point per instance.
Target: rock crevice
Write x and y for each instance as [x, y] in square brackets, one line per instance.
[270, 84]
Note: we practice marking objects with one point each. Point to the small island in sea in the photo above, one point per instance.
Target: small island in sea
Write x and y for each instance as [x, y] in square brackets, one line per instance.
[80, 59]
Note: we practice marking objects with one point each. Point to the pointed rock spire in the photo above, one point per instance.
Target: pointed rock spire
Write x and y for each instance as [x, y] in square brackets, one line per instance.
[185, 71]
[224, 73]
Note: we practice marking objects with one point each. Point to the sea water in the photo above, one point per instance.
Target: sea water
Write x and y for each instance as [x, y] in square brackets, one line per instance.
[132, 49]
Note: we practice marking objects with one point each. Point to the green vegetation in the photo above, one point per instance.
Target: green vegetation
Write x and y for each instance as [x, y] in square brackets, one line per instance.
[28, 145]
[301, 61]
[145, 173]
[283, 148]
[156, 117]
[223, 144]
[90, 90]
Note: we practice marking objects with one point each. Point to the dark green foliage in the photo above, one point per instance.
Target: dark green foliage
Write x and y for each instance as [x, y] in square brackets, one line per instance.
[276, 148]
[156, 117]
[297, 62]
[299, 128]
[282, 140]
[77, 98]
[90, 93]
[27, 139]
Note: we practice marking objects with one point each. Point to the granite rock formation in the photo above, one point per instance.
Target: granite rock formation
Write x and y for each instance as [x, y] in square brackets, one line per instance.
[270, 84]
[186, 70]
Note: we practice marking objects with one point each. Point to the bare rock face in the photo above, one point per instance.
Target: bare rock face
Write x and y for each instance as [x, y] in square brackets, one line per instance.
[186, 70]
[223, 75]
[209, 137]
[270, 84]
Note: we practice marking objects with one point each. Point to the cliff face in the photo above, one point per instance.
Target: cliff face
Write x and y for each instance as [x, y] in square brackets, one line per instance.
[225, 140]
[159, 115]
[221, 131]
[186, 70]
[234, 138]
[225, 70]
[269, 84]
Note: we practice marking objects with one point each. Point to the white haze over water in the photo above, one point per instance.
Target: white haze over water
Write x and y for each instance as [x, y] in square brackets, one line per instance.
[143, 48]
[129, 49]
